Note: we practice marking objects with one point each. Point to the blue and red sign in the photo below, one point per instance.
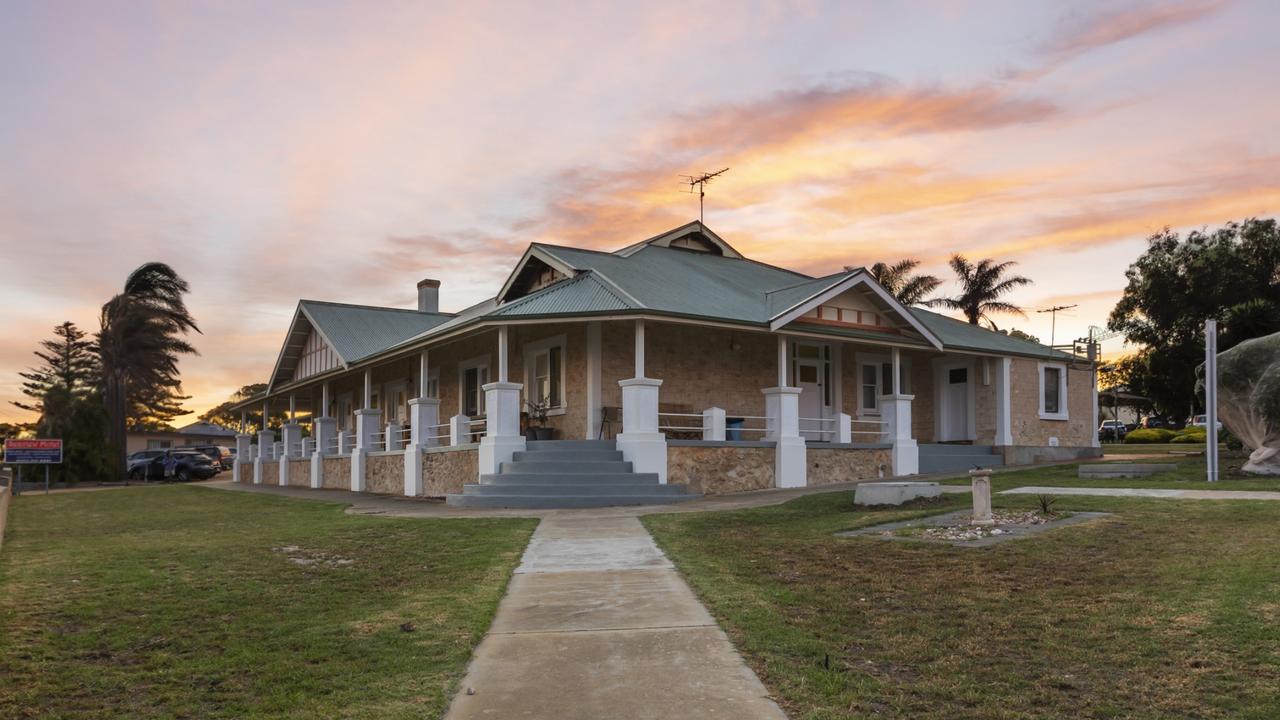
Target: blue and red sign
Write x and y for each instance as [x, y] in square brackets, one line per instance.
[33, 452]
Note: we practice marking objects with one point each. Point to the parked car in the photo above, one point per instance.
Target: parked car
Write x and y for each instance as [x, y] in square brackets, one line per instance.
[1202, 421]
[1152, 422]
[222, 457]
[191, 464]
[1112, 430]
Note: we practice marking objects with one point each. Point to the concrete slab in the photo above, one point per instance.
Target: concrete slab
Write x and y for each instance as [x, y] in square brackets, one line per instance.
[620, 675]
[577, 527]
[592, 554]
[613, 600]
[894, 493]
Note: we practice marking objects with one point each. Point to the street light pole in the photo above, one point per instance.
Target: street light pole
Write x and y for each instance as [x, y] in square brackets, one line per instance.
[1211, 398]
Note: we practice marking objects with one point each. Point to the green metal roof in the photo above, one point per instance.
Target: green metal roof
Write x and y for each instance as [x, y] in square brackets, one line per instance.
[357, 331]
[960, 335]
[584, 294]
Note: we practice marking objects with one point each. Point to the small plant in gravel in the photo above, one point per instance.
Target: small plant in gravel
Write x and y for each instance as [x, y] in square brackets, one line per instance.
[1046, 504]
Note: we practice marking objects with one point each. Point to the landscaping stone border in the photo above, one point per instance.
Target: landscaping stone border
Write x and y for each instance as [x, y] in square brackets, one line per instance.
[1011, 532]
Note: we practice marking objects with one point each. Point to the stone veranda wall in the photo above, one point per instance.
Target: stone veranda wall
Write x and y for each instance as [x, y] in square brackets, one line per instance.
[384, 473]
[444, 472]
[837, 465]
[337, 473]
[300, 473]
[720, 469]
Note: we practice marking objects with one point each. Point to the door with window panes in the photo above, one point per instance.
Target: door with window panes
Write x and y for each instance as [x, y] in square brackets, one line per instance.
[811, 372]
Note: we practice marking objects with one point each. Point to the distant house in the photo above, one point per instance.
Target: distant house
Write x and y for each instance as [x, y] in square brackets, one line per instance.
[197, 433]
[675, 358]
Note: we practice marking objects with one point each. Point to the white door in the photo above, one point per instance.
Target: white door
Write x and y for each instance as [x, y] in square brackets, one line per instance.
[810, 373]
[955, 404]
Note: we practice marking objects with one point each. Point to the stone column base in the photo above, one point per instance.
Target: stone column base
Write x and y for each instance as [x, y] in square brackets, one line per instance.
[237, 472]
[646, 451]
[413, 470]
[258, 468]
[790, 466]
[284, 470]
[359, 458]
[495, 450]
[905, 457]
[317, 471]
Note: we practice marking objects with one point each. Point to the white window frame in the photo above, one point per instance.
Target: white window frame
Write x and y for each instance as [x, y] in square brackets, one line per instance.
[862, 359]
[1062, 391]
[530, 351]
[473, 364]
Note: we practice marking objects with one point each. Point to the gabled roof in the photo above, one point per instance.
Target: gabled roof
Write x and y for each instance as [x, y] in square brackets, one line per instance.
[822, 291]
[353, 332]
[585, 294]
[693, 229]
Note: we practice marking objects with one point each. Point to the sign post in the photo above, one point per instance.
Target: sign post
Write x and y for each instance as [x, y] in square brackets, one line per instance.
[1211, 398]
[33, 452]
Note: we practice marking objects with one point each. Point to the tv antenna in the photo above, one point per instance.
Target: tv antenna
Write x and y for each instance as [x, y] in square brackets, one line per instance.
[1053, 319]
[700, 182]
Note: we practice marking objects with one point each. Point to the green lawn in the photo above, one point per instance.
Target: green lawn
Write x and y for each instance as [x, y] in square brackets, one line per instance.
[1190, 475]
[1169, 609]
[190, 602]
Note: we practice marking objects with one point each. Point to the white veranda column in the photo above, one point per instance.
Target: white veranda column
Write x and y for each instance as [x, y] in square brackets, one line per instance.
[290, 446]
[1004, 403]
[895, 411]
[266, 442]
[640, 441]
[782, 408]
[502, 438]
[244, 451]
[424, 413]
[367, 421]
[324, 433]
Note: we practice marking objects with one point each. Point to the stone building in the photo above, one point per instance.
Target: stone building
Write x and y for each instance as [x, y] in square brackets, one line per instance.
[669, 368]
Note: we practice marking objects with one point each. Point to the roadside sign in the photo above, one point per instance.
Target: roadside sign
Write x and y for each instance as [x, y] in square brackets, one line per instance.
[33, 452]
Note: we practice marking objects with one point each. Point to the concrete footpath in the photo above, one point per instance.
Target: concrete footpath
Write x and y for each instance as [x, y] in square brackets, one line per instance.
[597, 624]
[1147, 492]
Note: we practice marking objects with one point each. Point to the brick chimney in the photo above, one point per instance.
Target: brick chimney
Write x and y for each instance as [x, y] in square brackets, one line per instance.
[429, 296]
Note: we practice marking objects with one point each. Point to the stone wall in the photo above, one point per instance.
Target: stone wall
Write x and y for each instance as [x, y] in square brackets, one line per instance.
[337, 473]
[384, 473]
[1029, 429]
[715, 470]
[571, 424]
[836, 465]
[444, 472]
[299, 473]
[986, 375]
[922, 388]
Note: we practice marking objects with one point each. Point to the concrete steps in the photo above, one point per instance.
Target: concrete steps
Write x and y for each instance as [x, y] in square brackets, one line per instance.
[940, 457]
[568, 474]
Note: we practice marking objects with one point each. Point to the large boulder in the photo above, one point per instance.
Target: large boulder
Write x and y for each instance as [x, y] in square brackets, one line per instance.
[1249, 399]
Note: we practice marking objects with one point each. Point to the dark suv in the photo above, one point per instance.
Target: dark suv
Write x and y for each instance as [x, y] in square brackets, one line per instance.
[149, 465]
[221, 456]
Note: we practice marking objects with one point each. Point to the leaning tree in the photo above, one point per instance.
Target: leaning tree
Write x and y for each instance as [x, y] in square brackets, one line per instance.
[142, 336]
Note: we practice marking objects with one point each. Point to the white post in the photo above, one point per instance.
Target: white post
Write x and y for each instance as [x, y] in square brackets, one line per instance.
[594, 381]
[459, 430]
[293, 407]
[502, 438]
[782, 407]
[346, 442]
[713, 424]
[896, 383]
[266, 440]
[640, 441]
[844, 428]
[244, 455]
[782, 361]
[324, 401]
[366, 431]
[1094, 439]
[895, 412]
[503, 350]
[308, 447]
[1211, 398]
[391, 437]
[244, 421]
[292, 439]
[367, 399]
[1004, 404]
[424, 412]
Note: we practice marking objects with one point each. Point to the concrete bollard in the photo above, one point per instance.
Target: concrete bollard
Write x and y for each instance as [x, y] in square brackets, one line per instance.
[981, 480]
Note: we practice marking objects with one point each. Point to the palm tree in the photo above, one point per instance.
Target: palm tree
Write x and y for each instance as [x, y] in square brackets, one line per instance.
[909, 289]
[981, 287]
[140, 341]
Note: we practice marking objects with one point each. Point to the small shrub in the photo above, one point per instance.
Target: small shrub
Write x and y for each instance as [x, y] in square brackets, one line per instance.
[1046, 503]
[1149, 435]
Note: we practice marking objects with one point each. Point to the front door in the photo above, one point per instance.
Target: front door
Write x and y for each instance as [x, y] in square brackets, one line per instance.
[811, 374]
[954, 402]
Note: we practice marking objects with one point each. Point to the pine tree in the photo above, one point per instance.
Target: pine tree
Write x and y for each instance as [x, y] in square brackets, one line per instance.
[70, 364]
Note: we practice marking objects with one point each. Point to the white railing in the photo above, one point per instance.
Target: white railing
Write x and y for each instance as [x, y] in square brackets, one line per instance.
[877, 425]
[827, 427]
[681, 428]
[428, 435]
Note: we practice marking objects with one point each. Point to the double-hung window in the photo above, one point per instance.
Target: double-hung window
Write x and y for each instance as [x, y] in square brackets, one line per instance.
[544, 372]
[474, 376]
[1053, 391]
[875, 378]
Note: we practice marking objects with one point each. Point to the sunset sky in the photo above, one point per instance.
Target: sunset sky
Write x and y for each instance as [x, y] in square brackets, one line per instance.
[343, 151]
